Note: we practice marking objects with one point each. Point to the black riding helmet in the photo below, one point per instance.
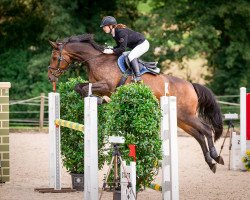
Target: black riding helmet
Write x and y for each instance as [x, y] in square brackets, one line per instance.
[108, 20]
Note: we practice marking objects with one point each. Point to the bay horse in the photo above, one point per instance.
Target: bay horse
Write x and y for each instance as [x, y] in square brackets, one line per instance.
[197, 110]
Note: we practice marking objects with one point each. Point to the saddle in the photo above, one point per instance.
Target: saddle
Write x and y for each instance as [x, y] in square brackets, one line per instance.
[145, 67]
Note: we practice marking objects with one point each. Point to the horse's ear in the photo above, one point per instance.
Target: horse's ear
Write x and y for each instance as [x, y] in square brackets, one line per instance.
[53, 44]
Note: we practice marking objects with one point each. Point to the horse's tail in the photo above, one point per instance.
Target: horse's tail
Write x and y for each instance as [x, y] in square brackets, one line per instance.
[209, 109]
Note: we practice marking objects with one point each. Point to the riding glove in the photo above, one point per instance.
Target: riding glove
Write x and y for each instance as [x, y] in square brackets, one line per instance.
[108, 51]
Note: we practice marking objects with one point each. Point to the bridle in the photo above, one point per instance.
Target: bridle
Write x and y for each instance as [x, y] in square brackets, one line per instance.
[57, 71]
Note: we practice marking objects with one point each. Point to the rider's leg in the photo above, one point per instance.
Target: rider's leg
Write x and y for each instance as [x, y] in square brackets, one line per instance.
[135, 66]
[136, 53]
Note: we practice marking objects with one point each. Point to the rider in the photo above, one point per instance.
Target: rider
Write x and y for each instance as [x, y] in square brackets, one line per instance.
[125, 37]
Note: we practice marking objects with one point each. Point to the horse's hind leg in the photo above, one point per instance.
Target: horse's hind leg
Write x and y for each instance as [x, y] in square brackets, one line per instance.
[201, 140]
[206, 130]
[213, 152]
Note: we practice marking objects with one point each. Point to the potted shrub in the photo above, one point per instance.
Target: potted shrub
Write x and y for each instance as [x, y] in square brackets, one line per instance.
[134, 113]
[72, 142]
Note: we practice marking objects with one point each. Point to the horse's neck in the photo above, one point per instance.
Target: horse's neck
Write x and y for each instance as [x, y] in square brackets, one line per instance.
[83, 52]
[99, 66]
[103, 68]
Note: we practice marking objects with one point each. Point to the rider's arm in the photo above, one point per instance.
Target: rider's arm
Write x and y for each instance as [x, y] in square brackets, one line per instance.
[122, 40]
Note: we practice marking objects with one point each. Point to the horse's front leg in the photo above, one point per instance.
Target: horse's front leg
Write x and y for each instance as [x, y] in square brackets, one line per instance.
[98, 88]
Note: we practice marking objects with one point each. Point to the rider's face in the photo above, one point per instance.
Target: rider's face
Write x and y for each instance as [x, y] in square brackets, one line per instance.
[106, 29]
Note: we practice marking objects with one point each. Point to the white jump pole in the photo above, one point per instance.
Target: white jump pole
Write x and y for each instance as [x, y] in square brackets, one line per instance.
[55, 142]
[243, 124]
[170, 177]
[90, 148]
[173, 148]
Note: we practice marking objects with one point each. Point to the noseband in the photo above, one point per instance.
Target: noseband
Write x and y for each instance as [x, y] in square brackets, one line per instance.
[57, 71]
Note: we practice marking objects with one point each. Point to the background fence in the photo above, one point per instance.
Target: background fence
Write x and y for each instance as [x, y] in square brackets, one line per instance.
[230, 104]
[33, 112]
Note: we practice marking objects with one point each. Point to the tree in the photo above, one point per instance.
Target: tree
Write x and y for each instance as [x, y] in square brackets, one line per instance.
[218, 30]
[27, 26]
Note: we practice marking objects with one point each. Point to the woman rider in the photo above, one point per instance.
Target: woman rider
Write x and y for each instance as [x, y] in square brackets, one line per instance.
[124, 38]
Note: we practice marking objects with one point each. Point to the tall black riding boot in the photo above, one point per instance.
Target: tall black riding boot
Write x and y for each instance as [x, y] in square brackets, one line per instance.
[136, 69]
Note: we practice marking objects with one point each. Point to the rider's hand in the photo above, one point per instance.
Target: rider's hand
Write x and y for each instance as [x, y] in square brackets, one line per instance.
[108, 51]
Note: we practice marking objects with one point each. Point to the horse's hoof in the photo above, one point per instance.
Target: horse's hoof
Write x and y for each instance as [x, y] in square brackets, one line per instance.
[219, 160]
[213, 168]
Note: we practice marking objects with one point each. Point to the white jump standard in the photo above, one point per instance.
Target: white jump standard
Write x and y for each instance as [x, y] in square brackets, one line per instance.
[170, 180]
[241, 143]
[170, 175]
[90, 144]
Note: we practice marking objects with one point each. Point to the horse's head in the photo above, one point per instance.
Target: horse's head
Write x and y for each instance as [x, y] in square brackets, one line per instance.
[81, 48]
[59, 62]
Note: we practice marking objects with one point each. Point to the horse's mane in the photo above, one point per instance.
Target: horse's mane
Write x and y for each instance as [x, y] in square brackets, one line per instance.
[89, 38]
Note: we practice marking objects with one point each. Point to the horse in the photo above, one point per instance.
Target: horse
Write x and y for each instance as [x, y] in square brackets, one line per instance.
[198, 113]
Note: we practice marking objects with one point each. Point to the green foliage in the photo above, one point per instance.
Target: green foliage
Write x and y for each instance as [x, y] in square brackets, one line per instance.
[61, 19]
[72, 142]
[26, 27]
[21, 22]
[134, 113]
[217, 29]
[25, 81]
